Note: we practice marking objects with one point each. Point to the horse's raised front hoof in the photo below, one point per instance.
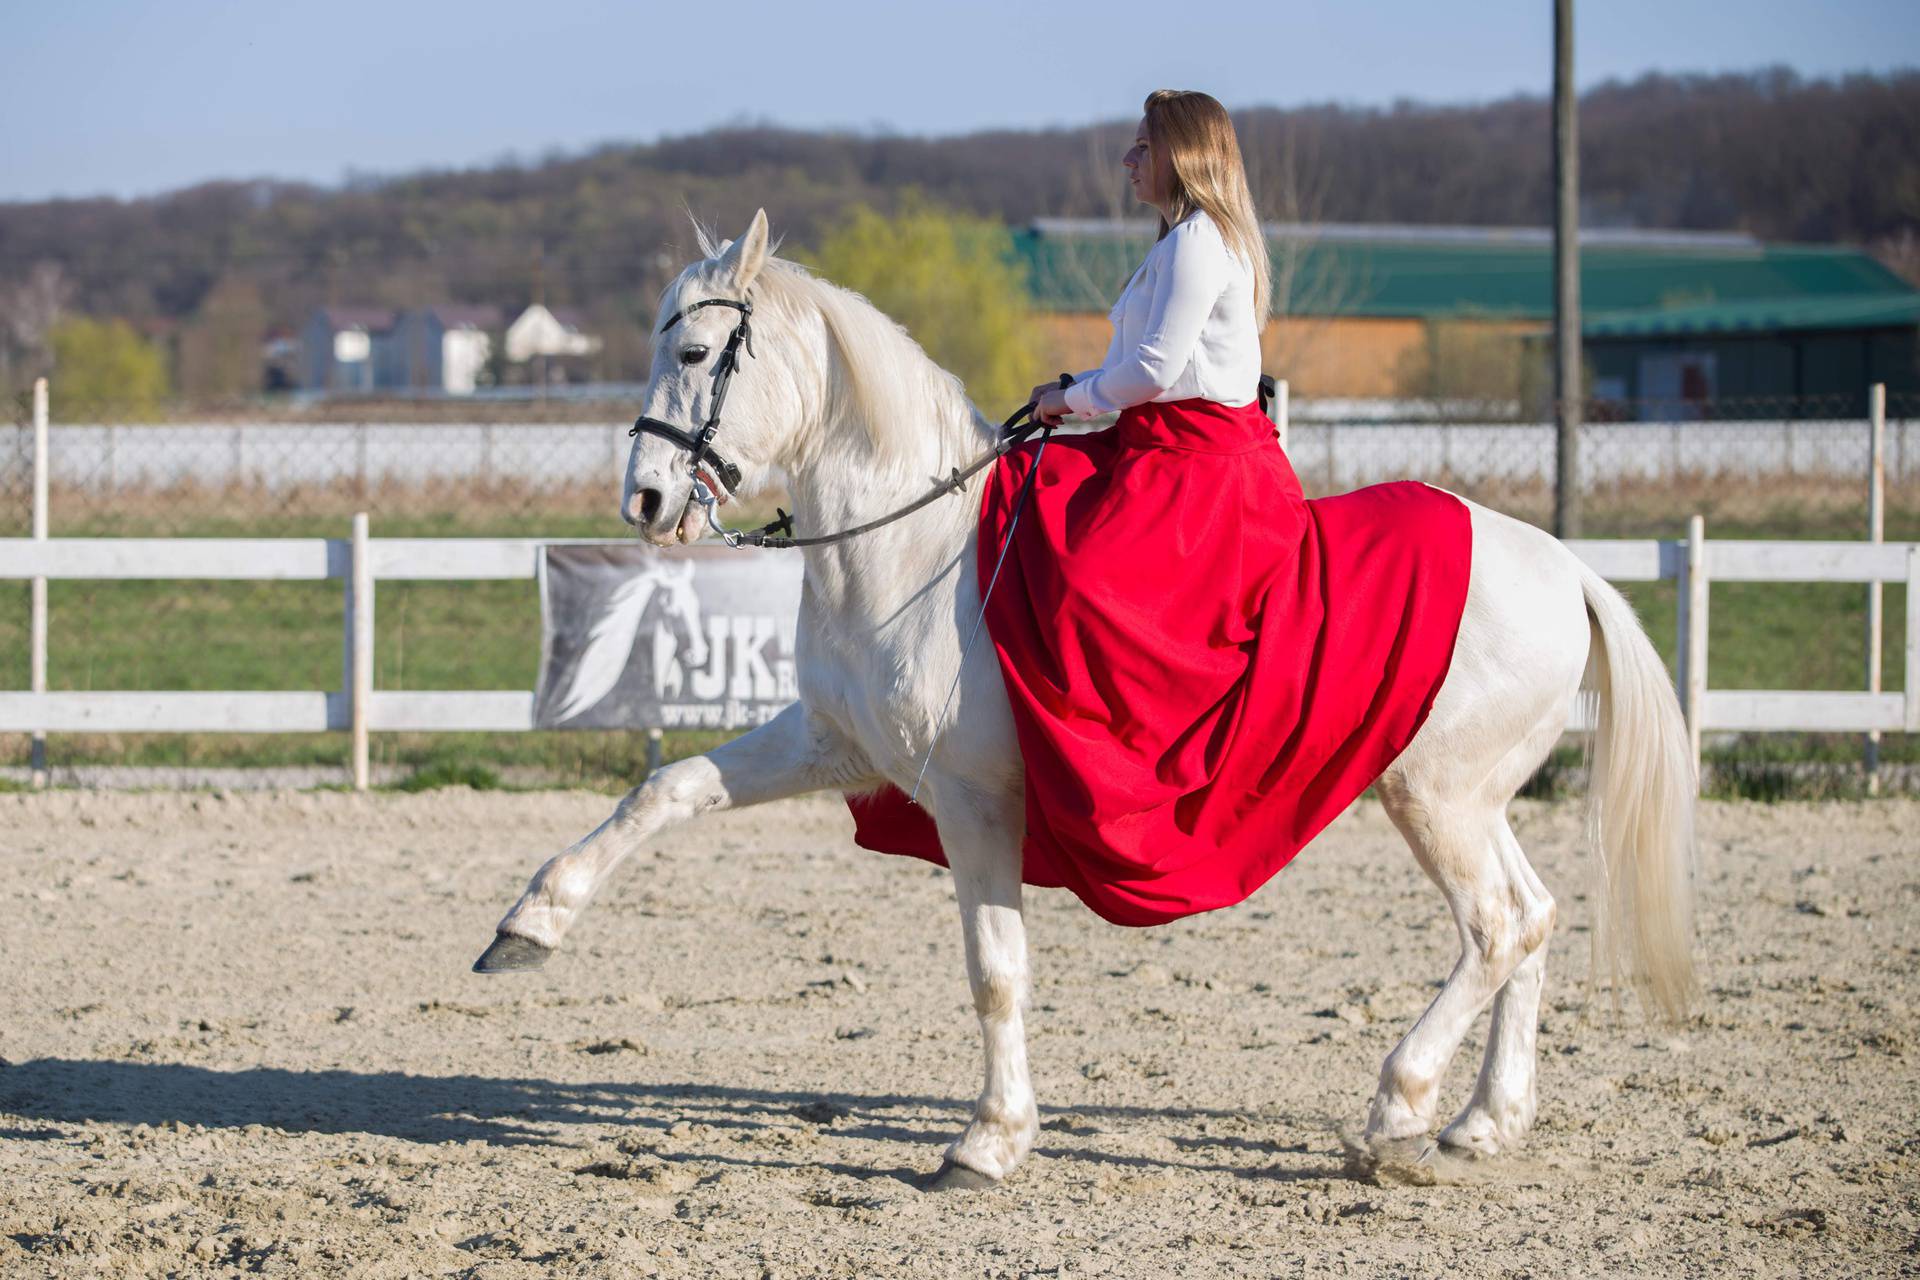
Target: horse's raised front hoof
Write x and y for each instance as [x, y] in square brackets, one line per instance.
[957, 1177]
[511, 953]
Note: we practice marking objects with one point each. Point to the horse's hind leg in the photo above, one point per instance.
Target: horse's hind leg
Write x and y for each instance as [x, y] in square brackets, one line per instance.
[1503, 918]
[1501, 1109]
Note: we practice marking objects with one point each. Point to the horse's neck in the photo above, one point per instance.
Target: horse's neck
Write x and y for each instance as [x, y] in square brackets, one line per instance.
[869, 583]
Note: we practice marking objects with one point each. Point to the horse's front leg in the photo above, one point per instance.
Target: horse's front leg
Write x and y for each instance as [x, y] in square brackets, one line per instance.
[791, 754]
[982, 837]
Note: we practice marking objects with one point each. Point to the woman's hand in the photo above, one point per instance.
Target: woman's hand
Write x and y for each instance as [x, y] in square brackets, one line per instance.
[1050, 404]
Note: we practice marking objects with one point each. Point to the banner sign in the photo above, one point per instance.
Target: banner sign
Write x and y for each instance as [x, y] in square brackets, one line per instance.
[694, 638]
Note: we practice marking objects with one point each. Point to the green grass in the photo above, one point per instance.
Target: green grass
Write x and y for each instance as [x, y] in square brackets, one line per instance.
[486, 636]
[1767, 635]
[444, 773]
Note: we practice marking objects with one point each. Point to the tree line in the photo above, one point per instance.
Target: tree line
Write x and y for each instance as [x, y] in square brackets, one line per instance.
[208, 271]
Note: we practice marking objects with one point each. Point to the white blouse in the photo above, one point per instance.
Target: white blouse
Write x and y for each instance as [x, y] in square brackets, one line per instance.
[1183, 328]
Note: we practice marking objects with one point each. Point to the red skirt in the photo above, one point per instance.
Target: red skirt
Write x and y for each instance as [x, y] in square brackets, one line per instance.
[1205, 668]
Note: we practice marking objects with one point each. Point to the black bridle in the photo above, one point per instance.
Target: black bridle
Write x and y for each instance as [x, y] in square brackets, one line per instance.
[778, 534]
[701, 446]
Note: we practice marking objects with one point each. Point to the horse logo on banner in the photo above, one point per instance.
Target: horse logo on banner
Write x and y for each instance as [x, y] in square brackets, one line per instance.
[611, 639]
[636, 639]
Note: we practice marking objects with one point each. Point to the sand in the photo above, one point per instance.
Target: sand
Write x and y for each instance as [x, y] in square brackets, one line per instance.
[240, 1036]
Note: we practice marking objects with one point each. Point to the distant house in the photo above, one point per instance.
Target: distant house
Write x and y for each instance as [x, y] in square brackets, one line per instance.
[544, 331]
[348, 349]
[547, 335]
[445, 348]
[1674, 322]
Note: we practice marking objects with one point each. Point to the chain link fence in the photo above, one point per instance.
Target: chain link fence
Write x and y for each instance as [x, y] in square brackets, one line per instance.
[1754, 468]
[1764, 467]
[1772, 467]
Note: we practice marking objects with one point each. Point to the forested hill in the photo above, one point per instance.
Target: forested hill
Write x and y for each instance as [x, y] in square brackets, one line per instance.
[1770, 153]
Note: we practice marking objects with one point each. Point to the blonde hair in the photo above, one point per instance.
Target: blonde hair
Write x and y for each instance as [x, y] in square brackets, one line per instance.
[1197, 155]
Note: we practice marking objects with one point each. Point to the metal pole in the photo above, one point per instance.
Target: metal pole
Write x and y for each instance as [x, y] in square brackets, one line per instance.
[1876, 532]
[361, 692]
[654, 751]
[37, 607]
[1566, 280]
[1695, 693]
[1282, 410]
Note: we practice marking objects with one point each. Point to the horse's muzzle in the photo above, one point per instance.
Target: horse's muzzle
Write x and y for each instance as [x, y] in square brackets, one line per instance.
[643, 509]
[661, 521]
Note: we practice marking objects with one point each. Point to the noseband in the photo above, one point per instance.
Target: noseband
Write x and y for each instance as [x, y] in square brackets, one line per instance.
[700, 446]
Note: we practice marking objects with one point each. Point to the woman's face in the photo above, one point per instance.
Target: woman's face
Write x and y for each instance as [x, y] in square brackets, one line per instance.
[1143, 169]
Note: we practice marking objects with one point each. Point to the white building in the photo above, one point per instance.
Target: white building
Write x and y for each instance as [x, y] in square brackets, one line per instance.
[446, 347]
[540, 331]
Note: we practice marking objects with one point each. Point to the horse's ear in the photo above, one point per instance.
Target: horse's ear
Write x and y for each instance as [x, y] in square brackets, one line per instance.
[744, 257]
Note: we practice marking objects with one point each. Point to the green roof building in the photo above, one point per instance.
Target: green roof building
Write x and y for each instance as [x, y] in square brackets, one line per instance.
[1677, 324]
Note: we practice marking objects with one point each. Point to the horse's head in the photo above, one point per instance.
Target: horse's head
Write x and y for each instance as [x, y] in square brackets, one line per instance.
[828, 378]
[689, 351]
[682, 603]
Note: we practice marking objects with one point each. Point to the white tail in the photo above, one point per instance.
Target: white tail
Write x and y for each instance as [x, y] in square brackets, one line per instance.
[1640, 808]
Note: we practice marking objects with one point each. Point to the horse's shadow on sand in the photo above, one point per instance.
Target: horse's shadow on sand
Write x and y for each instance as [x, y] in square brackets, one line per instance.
[509, 1112]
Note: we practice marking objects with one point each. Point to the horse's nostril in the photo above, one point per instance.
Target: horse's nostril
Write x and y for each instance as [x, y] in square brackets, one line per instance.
[650, 502]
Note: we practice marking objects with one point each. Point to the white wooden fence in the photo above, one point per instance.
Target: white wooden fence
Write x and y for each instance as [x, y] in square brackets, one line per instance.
[360, 562]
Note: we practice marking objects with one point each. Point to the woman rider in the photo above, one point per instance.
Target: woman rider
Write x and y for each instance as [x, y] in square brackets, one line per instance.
[1204, 668]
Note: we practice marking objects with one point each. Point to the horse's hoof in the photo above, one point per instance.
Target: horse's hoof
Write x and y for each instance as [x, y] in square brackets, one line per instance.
[510, 953]
[957, 1177]
[1389, 1161]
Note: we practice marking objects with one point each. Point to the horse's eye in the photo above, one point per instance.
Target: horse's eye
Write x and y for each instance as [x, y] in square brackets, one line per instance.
[693, 355]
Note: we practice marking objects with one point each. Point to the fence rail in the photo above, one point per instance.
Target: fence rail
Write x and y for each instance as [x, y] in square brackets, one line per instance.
[360, 562]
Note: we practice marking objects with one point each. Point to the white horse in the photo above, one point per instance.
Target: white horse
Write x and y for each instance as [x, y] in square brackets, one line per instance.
[842, 405]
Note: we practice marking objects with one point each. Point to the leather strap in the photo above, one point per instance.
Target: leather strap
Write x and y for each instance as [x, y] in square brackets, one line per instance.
[700, 446]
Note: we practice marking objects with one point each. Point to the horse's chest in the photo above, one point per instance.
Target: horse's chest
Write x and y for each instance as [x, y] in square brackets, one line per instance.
[875, 693]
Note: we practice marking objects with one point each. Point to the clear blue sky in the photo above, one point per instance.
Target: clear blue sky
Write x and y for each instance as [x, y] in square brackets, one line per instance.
[127, 98]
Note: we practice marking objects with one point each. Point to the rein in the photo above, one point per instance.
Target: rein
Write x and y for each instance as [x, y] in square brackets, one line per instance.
[777, 534]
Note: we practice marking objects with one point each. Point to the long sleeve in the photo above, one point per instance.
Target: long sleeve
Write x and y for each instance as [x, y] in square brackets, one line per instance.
[1194, 271]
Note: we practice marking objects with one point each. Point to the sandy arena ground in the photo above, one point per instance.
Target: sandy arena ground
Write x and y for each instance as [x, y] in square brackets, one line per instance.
[240, 1036]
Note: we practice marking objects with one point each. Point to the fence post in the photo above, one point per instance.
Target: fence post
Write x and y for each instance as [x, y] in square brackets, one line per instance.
[1282, 410]
[654, 752]
[360, 621]
[1876, 532]
[37, 607]
[1913, 638]
[1693, 633]
[1682, 625]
